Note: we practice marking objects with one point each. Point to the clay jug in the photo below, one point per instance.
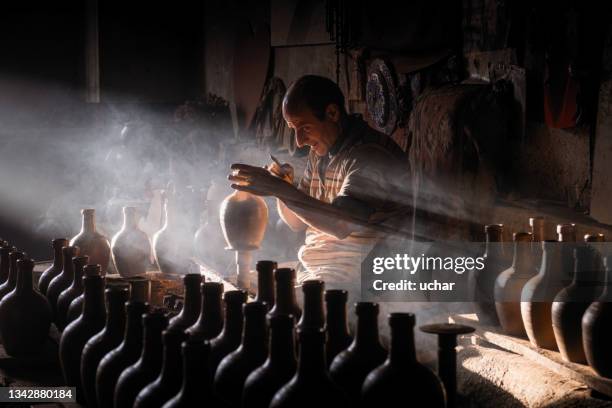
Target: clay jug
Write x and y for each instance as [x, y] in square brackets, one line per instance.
[192, 304]
[537, 296]
[597, 330]
[144, 371]
[91, 242]
[285, 302]
[76, 306]
[243, 219]
[10, 283]
[170, 246]
[124, 355]
[230, 336]
[510, 283]
[265, 282]
[130, 247]
[313, 315]
[424, 387]
[55, 269]
[338, 337]
[252, 352]
[571, 303]
[261, 385]
[25, 315]
[5, 262]
[72, 292]
[78, 333]
[538, 234]
[482, 281]
[103, 342]
[62, 281]
[210, 322]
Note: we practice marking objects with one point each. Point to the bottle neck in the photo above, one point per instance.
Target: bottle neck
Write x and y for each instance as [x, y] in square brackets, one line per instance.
[402, 350]
[24, 279]
[77, 282]
[282, 347]
[115, 317]
[337, 324]
[133, 325]
[285, 296]
[89, 222]
[586, 269]
[313, 308]
[152, 350]
[93, 303]
[12, 276]
[522, 257]
[551, 261]
[172, 361]
[366, 333]
[265, 287]
[130, 220]
[232, 329]
[58, 258]
[494, 249]
[312, 358]
[193, 300]
[255, 335]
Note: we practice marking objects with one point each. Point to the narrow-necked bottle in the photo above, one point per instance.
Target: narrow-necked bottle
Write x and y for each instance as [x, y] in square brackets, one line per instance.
[210, 322]
[338, 337]
[196, 390]
[252, 352]
[62, 281]
[10, 283]
[365, 353]
[402, 371]
[311, 386]
[191, 305]
[104, 341]
[5, 262]
[168, 382]
[229, 338]
[70, 293]
[482, 281]
[77, 333]
[566, 234]
[91, 242]
[263, 383]
[55, 269]
[313, 315]
[285, 301]
[538, 234]
[144, 371]
[76, 306]
[123, 356]
[130, 247]
[265, 282]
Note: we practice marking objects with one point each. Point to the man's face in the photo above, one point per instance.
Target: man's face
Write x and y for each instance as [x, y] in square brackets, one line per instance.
[309, 130]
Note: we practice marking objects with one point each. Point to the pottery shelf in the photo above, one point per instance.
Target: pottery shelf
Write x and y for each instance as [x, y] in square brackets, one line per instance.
[550, 360]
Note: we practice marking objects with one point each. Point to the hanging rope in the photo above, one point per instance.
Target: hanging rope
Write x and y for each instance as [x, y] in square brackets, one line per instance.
[337, 26]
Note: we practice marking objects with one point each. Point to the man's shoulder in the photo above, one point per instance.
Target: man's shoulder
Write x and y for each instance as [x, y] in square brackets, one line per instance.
[372, 141]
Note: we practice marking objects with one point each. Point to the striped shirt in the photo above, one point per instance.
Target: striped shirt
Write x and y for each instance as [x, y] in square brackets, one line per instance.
[359, 174]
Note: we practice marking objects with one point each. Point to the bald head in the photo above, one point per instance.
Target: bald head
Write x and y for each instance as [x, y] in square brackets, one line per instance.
[315, 93]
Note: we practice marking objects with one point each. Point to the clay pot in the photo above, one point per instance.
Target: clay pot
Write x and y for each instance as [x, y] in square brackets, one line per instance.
[91, 242]
[243, 219]
[509, 285]
[130, 247]
[597, 330]
[72, 292]
[55, 269]
[537, 296]
[62, 281]
[25, 315]
[171, 247]
[10, 283]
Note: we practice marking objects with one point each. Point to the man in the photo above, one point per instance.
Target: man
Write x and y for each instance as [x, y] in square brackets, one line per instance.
[352, 174]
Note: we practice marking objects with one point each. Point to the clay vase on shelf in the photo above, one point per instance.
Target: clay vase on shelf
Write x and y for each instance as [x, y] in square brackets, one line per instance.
[130, 247]
[144, 371]
[380, 386]
[597, 330]
[510, 283]
[72, 292]
[25, 315]
[537, 296]
[229, 338]
[170, 246]
[55, 269]
[285, 301]
[76, 306]
[210, 322]
[91, 242]
[191, 305]
[10, 283]
[103, 342]
[338, 336]
[62, 281]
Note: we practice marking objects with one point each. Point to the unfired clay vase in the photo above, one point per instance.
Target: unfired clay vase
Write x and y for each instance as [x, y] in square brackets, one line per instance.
[243, 219]
[130, 247]
[171, 246]
[91, 242]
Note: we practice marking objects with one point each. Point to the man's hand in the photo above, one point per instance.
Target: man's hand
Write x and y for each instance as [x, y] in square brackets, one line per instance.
[260, 181]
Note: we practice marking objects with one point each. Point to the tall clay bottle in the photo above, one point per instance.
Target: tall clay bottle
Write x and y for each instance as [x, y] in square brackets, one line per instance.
[168, 382]
[70, 293]
[338, 336]
[76, 306]
[571, 303]
[538, 234]
[230, 336]
[482, 282]
[10, 283]
[537, 296]
[313, 315]
[350, 368]
[263, 383]
[103, 342]
[597, 330]
[381, 386]
[78, 333]
[123, 356]
[91, 242]
[191, 305]
[285, 302]
[55, 269]
[265, 282]
[311, 385]
[25, 315]
[196, 390]
[144, 371]
[5, 263]
[566, 234]
[62, 281]
[252, 352]
[510, 283]
[210, 323]
[130, 247]
[169, 243]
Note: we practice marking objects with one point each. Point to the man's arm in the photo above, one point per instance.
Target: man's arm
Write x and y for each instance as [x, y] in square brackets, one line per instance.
[289, 217]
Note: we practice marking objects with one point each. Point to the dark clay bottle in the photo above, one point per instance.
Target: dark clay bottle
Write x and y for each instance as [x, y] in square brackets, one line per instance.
[263, 383]
[137, 376]
[72, 292]
[210, 322]
[265, 282]
[5, 263]
[230, 336]
[313, 315]
[62, 281]
[191, 305]
[76, 306]
[252, 352]
[103, 342]
[11, 282]
[285, 301]
[338, 337]
[55, 269]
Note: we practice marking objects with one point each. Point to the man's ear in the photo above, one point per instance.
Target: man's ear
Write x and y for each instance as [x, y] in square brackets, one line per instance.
[332, 112]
